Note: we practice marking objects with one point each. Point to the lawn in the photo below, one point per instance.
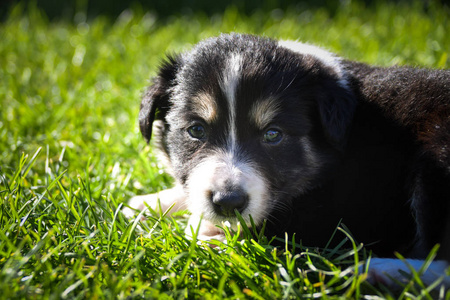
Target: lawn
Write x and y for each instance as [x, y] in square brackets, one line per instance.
[71, 155]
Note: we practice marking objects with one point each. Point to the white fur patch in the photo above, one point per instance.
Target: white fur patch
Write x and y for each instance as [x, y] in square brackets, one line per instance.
[215, 173]
[327, 58]
[230, 80]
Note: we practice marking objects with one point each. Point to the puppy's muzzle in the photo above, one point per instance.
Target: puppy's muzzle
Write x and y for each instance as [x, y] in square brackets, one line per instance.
[225, 203]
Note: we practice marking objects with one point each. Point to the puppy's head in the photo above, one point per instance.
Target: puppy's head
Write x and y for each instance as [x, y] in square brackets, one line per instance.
[247, 123]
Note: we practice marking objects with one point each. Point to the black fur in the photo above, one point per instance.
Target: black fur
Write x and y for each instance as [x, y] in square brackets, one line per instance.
[383, 141]
[155, 102]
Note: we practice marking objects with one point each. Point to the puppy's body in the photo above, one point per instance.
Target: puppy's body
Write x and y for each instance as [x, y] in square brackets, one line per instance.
[290, 133]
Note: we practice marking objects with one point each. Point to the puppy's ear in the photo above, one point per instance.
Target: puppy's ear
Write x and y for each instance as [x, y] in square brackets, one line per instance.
[336, 106]
[155, 103]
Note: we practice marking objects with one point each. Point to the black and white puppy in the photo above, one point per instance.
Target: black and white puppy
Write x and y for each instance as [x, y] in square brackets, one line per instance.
[292, 134]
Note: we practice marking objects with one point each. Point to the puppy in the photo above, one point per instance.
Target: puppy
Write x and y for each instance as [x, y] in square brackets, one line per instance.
[292, 134]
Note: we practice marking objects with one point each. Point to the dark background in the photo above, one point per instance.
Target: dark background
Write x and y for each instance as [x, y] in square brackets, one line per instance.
[61, 9]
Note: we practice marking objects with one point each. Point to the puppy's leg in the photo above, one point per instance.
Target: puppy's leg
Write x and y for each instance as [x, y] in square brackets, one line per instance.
[174, 196]
[387, 271]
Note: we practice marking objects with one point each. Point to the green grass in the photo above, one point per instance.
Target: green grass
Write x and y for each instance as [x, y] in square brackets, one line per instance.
[71, 155]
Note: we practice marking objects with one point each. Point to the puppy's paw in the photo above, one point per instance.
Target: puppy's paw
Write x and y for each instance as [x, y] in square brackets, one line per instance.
[137, 204]
[391, 272]
[173, 198]
[385, 270]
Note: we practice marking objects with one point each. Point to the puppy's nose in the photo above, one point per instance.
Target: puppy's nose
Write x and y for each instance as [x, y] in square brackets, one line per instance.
[225, 203]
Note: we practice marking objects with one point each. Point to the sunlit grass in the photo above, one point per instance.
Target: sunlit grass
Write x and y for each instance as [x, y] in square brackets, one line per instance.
[71, 155]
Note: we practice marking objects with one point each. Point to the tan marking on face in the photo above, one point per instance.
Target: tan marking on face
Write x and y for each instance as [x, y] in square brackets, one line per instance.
[206, 107]
[263, 112]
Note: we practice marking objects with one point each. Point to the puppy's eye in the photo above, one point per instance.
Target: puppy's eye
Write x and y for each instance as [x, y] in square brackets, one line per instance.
[272, 136]
[197, 132]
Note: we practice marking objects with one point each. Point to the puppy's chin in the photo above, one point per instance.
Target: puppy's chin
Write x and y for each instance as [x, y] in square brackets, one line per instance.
[209, 215]
[207, 230]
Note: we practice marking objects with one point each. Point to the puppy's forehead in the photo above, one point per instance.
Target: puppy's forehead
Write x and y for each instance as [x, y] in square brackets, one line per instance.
[230, 74]
[227, 57]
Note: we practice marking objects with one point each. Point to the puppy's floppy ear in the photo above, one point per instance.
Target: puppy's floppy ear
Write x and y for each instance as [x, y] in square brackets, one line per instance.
[337, 105]
[155, 102]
